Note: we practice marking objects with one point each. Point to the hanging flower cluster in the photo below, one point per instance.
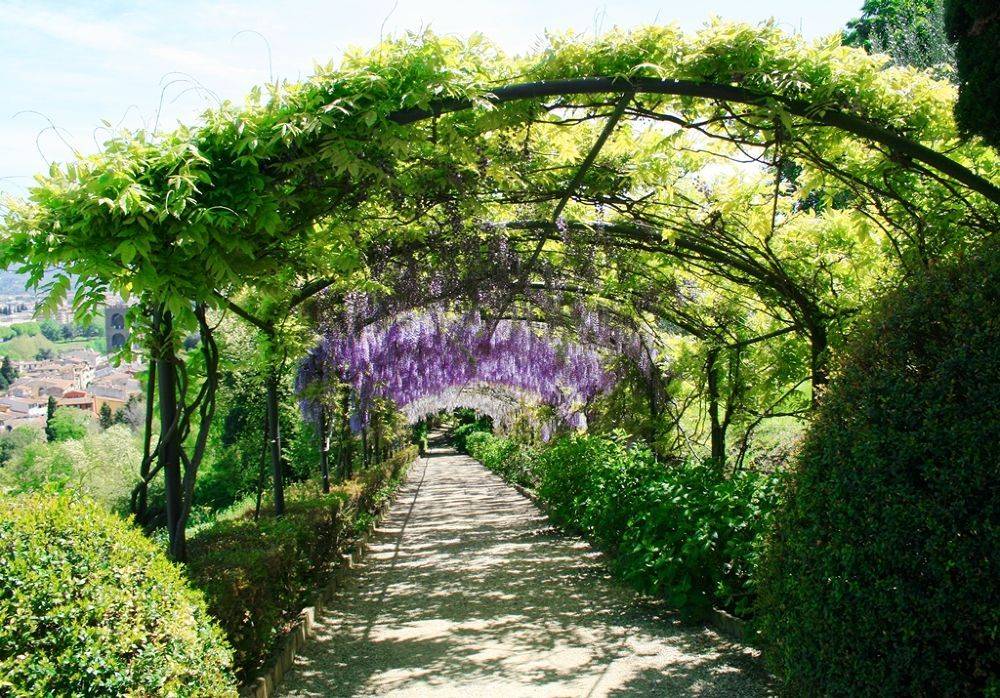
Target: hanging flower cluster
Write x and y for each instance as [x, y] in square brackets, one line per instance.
[422, 354]
[502, 405]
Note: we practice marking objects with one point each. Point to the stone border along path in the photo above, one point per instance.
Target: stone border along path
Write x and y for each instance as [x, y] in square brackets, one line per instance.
[468, 591]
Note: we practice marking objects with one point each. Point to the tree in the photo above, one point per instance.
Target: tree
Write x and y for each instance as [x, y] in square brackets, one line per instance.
[44, 354]
[911, 31]
[51, 330]
[6, 450]
[50, 434]
[66, 423]
[974, 26]
[106, 416]
[8, 371]
[133, 413]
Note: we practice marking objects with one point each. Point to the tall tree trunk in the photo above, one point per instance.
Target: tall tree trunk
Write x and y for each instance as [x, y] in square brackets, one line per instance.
[818, 347]
[364, 447]
[170, 446]
[345, 437]
[718, 429]
[324, 449]
[274, 441]
[142, 502]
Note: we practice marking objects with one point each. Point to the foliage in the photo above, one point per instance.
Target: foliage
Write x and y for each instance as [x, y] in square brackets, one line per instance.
[418, 435]
[89, 607]
[508, 459]
[68, 423]
[911, 31]
[57, 332]
[8, 371]
[974, 26]
[15, 441]
[25, 347]
[682, 531]
[240, 189]
[256, 573]
[882, 573]
[420, 360]
[461, 433]
[105, 417]
[26, 329]
[101, 465]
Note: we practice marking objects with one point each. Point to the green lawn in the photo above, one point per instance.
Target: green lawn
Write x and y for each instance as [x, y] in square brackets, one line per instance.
[23, 348]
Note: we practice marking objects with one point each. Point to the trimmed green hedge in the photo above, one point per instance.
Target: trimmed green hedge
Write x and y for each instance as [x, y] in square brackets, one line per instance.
[462, 432]
[257, 574]
[509, 460]
[680, 531]
[91, 607]
[883, 574]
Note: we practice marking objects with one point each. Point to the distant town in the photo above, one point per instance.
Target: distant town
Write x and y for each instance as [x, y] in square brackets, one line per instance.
[55, 357]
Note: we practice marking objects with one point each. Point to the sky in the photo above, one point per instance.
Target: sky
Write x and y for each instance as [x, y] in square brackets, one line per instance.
[67, 66]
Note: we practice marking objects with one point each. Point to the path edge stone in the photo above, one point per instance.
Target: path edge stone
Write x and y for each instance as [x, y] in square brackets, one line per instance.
[269, 678]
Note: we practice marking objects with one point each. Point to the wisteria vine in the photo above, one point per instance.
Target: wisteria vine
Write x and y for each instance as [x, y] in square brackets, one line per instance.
[431, 359]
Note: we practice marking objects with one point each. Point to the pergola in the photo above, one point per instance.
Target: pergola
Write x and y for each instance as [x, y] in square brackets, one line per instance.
[264, 210]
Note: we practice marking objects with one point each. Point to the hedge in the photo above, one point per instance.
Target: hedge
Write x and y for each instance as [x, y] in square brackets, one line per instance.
[462, 432]
[681, 531]
[883, 574]
[91, 607]
[257, 574]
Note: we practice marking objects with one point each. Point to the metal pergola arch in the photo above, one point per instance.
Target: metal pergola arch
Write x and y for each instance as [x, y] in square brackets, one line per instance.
[627, 88]
[855, 125]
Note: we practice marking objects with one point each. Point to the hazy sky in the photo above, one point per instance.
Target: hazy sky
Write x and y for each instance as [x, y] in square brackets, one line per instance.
[80, 62]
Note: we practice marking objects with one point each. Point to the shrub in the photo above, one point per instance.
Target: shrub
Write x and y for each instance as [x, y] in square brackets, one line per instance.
[69, 423]
[418, 436]
[462, 432]
[695, 537]
[882, 575]
[257, 574]
[681, 531]
[102, 465]
[90, 607]
[505, 457]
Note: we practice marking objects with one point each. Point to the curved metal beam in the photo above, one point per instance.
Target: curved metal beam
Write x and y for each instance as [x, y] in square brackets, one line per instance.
[729, 93]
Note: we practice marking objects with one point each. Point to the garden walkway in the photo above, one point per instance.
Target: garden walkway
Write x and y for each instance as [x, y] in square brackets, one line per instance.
[469, 592]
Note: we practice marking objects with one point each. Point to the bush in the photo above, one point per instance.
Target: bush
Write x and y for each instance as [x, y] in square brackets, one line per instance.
[695, 537]
[681, 531]
[69, 423]
[90, 607]
[101, 465]
[462, 432]
[503, 456]
[26, 329]
[257, 574]
[882, 575]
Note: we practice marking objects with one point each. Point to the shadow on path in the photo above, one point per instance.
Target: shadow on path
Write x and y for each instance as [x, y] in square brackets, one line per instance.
[469, 592]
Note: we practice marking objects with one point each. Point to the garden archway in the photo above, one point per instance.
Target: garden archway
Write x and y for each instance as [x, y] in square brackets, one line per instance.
[401, 153]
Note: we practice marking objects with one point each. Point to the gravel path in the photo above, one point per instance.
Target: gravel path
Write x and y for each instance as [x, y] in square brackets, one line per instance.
[468, 591]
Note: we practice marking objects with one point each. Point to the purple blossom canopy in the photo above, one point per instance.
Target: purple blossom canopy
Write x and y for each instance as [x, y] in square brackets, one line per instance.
[432, 359]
